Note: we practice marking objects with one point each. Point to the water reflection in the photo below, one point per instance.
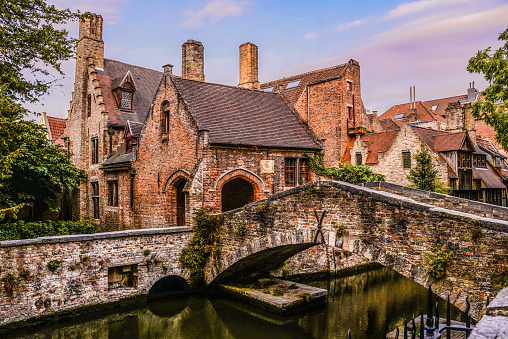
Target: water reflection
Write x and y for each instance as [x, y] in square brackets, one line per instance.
[370, 304]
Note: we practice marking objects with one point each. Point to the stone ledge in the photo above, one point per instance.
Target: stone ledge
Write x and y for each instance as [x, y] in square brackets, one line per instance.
[95, 236]
[499, 306]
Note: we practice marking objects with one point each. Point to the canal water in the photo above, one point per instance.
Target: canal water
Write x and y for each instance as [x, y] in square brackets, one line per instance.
[370, 304]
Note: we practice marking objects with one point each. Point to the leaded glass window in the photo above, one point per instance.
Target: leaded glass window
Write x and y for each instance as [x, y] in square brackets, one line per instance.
[126, 100]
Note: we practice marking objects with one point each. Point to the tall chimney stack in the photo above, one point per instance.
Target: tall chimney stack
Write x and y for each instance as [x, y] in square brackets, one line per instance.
[249, 66]
[193, 65]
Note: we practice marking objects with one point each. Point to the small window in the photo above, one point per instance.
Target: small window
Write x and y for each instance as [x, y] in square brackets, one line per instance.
[268, 89]
[95, 199]
[349, 86]
[113, 193]
[297, 171]
[350, 113]
[358, 158]
[123, 276]
[126, 100]
[399, 116]
[434, 107]
[89, 105]
[406, 159]
[95, 150]
[165, 118]
[293, 84]
[464, 160]
[290, 172]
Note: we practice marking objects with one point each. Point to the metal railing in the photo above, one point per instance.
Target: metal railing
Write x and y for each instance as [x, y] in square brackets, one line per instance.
[433, 328]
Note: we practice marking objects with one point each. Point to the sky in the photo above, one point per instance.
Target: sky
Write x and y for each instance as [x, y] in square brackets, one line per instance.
[424, 43]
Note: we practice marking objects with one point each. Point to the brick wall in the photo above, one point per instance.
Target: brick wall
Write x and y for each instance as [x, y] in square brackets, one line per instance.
[82, 278]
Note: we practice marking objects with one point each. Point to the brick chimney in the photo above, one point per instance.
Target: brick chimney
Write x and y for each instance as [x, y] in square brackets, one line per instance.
[193, 65]
[90, 43]
[249, 66]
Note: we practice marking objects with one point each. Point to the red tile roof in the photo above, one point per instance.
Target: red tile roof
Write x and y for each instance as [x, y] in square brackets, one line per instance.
[56, 126]
[443, 103]
[423, 112]
[307, 78]
[390, 124]
[375, 142]
[440, 141]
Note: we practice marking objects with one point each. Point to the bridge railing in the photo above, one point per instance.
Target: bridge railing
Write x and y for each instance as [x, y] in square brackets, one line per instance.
[433, 328]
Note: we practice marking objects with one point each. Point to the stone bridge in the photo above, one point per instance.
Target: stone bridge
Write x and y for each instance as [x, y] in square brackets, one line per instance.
[392, 230]
[395, 231]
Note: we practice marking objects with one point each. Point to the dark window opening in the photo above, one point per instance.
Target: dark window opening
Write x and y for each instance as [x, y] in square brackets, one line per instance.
[122, 276]
[89, 105]
[180, 202]
[165, 122]
[128, 145]
[95, 150]
[358, 158]
[479, 161]
[349, 86]
[296, 171]
[236, 193]
[113, 193]
[406, 159]
[350, 113]
[464, 160]
[95, 199]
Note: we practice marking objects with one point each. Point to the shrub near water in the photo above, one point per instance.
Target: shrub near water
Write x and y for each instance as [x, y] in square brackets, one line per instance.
[29, 230]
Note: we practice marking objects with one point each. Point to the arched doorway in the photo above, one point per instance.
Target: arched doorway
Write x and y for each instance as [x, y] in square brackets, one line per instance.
[180, 202]
[236, 193]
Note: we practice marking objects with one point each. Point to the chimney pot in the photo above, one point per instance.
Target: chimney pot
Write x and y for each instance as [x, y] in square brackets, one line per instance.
[168, 69]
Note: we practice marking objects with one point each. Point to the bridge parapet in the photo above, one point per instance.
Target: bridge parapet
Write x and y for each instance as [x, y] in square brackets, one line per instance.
[393, 230]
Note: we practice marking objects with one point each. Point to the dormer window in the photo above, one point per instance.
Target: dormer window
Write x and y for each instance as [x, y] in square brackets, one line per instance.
[123, 90]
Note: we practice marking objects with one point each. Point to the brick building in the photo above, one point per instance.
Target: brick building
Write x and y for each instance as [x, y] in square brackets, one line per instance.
[471, 165]
[54, 128]
[156, 147]
[330, 101]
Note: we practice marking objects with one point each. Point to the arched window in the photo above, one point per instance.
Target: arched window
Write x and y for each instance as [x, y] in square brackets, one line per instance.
[236, 193]
[165, 117]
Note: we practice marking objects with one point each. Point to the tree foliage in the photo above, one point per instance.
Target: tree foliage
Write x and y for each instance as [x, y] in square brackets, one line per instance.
[424, 175]
[355, 174]
[32, 171]
[494, 109]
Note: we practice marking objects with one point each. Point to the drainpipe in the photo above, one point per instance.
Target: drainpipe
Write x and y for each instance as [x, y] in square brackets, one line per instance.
[131, 174]
[308, 113]
[111, 131]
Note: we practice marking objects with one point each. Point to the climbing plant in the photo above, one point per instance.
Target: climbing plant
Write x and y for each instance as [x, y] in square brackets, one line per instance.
[354, 174]
[436, 263]
[206, 234]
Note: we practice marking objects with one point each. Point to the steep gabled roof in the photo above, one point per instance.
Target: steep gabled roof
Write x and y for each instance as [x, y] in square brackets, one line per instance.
[56, 126]
[134, 128]
[485, 131]
[306, 78]
[441, 141]
[118, 82]
[389, 124]
[146, 82]
[424, 112]
[375, 142]
[239, 116]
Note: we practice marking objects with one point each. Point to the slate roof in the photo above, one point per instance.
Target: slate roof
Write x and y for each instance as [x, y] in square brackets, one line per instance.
[134, 128]
[239, 116]
[119, 159]
[307, 78]
[146, 80]
[488, 176]
[56, 126]
[423, 112]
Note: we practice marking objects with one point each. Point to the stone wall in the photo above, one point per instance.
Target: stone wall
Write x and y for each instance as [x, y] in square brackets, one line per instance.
[85, 261]
[394, 231]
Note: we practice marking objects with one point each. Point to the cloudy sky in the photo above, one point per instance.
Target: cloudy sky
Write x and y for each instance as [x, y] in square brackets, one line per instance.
[425, 43]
